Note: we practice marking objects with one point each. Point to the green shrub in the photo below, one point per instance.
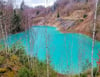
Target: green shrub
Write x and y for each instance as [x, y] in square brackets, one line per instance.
[2, 59]
[94, 71]
[17, 49]
[1, 13]
[85, 15]
[1, 47]
[83, 75]
[58, 15]
[24, 72]
[76, 75]
[16, 23]
[81, 20]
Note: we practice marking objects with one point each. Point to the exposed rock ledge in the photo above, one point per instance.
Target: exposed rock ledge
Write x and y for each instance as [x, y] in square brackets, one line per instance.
[72, 24]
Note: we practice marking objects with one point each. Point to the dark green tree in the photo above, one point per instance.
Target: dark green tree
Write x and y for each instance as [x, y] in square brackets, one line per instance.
[0, 12]
[16, 23]
[58, 15]
[37, 12]
[85, 15]
[22, 5]
[86, 0]
[24, 72]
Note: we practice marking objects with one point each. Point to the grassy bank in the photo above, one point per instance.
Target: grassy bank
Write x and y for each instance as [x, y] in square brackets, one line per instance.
[14, 62]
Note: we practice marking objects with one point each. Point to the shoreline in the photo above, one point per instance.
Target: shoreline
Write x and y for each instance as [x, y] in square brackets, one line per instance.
[65, 31]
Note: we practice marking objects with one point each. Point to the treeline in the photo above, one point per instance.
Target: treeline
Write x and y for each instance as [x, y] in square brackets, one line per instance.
[12, 20]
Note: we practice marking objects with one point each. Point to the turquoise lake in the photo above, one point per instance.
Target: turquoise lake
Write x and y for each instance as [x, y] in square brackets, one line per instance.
[68, 52]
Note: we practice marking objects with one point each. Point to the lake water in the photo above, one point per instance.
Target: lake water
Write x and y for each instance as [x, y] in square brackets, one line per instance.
[68, 52]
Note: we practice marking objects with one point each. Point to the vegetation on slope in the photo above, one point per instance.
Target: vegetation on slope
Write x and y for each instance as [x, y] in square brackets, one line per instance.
[15, 63]
[16, 23]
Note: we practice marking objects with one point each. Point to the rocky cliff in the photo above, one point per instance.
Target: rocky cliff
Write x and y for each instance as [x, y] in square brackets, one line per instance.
[69, 16]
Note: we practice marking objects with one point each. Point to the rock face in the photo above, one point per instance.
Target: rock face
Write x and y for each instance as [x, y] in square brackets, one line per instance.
[68, 16]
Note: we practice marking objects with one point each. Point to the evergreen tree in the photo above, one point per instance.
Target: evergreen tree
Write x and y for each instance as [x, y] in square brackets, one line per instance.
[58, 15]
[86, 0]
[22, 5]
[37, 12]
[16, 23]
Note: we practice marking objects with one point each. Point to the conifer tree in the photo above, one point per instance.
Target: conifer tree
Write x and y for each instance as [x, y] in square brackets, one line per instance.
[16, 23]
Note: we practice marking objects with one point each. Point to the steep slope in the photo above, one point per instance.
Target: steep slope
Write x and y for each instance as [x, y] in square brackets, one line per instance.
[67, 16]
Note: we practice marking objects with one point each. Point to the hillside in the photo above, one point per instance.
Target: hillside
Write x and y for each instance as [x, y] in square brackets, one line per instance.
[68, 17]
[74, 16]
[14, 62]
